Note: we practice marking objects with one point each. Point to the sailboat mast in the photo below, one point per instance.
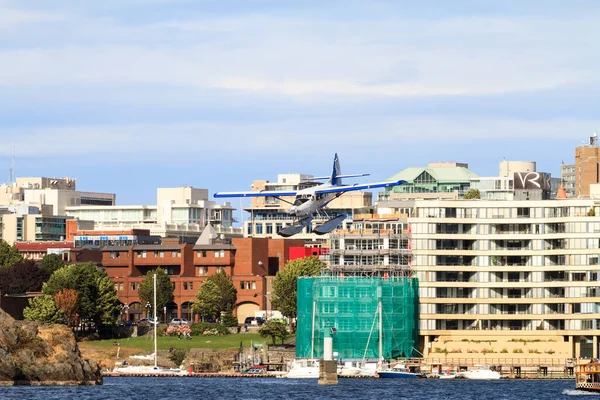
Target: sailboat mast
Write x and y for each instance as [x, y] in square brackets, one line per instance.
[380, 331]
[312, 343]
[155, 327]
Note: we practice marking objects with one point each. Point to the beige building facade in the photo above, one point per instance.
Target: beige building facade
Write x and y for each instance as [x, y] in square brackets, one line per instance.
[508, 269]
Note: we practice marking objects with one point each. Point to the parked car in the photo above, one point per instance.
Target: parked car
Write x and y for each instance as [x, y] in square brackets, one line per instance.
[179, 321]
[145, 321]
[256, 321]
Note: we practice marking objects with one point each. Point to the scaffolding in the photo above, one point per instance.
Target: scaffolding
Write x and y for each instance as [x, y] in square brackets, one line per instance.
[370, 317]
[370, 253]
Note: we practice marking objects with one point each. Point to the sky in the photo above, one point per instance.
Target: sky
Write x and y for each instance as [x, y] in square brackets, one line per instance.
[131, 95]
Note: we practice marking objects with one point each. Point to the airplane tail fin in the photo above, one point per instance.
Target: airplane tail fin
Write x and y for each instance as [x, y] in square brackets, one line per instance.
[336, 172]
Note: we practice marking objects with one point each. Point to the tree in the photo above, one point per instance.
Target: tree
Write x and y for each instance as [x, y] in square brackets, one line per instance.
[276, 330]
[51, 263]
[285, 285]
[21, 278]
[592, 212]
[472, 194]
[97, 300]
[229, 320]
[43, 309]
[66, 301]
[164, 288]
[9, 255]
[216, 294]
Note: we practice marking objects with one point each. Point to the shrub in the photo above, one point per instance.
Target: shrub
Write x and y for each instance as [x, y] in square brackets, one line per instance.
[517, 350]
[487, 351]
[534, 351]
[504, 350]
[177, 356]
[550, 351]
[208, 328]
[177, 330]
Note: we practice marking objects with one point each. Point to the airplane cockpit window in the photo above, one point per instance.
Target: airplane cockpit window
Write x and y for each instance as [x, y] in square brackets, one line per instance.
[300, 200]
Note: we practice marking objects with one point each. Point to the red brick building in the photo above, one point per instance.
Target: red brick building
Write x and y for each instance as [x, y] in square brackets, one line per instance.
[249, 261]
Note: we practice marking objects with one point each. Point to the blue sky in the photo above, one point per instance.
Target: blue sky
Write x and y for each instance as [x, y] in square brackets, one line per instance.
[130, 95]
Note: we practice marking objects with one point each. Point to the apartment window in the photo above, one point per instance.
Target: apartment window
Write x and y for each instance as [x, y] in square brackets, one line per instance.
[253, 285]
[216, 254]
[219, 269]
[114, 254]
[269, 229]
[161, 254]
[201, 271]
[242, 285]
[201, 253]
[135, 285]
[138, 254]
[222, 253]
[185, 286]
[191, 285]
[144, 254]
[173, 254]
[248, 285]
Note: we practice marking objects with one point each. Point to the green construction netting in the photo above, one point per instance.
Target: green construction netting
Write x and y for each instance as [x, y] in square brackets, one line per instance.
[351, 305]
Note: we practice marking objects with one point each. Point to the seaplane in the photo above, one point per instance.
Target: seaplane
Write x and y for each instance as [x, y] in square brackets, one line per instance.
[313, 200]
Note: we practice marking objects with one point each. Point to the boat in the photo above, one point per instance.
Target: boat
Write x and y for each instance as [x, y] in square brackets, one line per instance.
[348, 368]
[481, 373]
[399, 371]
[125, 369]
[587, 376]
[303, 369]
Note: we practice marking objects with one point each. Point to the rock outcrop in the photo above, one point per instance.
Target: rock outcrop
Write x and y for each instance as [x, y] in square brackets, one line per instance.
[39, 354]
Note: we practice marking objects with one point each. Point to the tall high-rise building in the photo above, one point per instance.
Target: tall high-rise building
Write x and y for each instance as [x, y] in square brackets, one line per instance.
[567, 178]
[587, 166]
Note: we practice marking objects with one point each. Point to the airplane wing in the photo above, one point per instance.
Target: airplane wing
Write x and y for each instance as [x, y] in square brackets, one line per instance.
[364, 186]
[262, 193]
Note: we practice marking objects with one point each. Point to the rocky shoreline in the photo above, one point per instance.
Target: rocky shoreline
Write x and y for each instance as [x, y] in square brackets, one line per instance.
[33, 354]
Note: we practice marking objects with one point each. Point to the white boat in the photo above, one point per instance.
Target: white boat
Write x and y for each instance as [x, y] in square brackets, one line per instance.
[399, 371]
[348, 369]
[481, 373]
[303, 368]
[147, 370]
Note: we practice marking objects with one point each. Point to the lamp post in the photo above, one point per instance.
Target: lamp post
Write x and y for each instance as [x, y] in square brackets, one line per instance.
[148, 308]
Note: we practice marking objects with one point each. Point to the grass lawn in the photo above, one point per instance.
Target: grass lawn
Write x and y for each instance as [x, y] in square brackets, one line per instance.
[197, 342]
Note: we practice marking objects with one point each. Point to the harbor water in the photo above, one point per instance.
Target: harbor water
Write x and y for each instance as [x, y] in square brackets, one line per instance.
[269, 388]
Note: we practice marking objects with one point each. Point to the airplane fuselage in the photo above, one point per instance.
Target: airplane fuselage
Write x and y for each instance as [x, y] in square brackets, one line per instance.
[307, 202]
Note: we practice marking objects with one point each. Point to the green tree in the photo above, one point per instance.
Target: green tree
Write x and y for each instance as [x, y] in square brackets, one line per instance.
[276, 330]
[43, 309]
[164, 288]
[229, 320]
[21, 278]
[592, 212]
[9, 255]
[216, 294]
[285, 284]
[472, 194]
[51, 263]
[97, 300]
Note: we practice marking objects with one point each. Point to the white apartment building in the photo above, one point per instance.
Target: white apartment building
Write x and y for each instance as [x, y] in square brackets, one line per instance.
[506, 266]
[51, 195]
[180, 212]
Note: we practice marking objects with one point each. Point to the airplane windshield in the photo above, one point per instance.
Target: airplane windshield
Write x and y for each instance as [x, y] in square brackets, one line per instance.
[300, 201]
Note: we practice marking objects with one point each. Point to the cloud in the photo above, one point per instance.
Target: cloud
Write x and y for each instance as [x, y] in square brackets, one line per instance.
[313, 59]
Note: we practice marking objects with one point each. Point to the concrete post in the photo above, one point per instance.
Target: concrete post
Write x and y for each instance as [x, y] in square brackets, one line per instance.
[595, 348]
[328, 373]
[577, 340]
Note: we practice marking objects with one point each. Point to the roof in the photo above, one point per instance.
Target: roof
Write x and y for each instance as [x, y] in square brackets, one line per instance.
[37, 246]
[216, 246]
[441, 174]
[145, 247]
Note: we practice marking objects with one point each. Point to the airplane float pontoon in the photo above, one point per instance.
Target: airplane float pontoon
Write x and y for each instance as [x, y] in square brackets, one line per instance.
[312, 200]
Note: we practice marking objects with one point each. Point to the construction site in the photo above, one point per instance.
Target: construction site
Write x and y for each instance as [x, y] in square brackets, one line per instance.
[366, 298]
